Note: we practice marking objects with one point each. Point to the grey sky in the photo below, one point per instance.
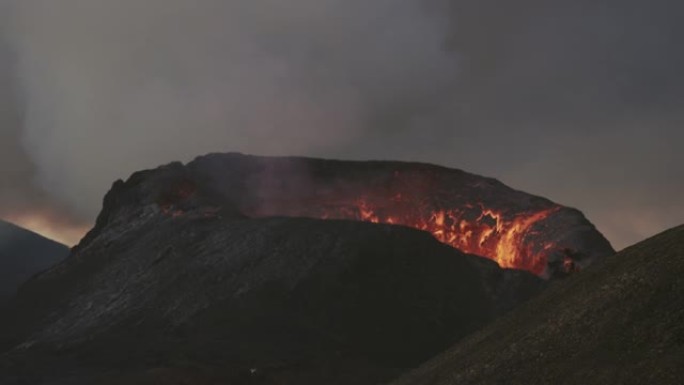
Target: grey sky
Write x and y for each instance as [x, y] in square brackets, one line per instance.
[579, 101]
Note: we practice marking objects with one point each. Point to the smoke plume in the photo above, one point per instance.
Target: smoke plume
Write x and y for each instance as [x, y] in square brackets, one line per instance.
[114, 86]
[578, 101]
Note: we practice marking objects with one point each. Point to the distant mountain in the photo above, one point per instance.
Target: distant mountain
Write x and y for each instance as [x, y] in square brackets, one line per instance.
[198, 294]
[619, 322]
[23, 254]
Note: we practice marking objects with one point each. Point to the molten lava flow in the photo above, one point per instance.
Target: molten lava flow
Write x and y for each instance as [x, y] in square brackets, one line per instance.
[508, 236]
[474, 229]
[488, 235]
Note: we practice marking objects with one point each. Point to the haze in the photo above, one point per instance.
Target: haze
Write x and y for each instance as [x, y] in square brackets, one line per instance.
[581, 102]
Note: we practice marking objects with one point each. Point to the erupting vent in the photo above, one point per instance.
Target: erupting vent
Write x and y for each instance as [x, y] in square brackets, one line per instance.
[474, 214]
[473, 228]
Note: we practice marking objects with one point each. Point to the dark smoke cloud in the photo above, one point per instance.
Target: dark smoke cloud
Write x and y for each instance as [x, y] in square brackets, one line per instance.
[113, 86]
[21, 200]
[578, 101]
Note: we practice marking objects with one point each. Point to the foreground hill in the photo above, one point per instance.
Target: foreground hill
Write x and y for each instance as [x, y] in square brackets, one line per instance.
[23, 254]
[206, 296]
[619, 322]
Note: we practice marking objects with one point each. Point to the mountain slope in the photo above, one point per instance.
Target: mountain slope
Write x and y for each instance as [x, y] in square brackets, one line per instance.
[149, 297]
[619, 322]
[23, 254]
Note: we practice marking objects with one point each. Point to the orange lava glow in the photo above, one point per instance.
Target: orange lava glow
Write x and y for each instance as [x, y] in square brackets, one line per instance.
[513, 237]
[66, 233]
[489, 234]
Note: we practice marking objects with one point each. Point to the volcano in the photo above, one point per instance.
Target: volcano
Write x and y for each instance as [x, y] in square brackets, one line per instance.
[474, 214]
[255, 270]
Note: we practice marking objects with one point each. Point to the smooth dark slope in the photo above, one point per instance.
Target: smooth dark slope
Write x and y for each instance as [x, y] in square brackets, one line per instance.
[23, 254]
[619, 322]
[150, 298]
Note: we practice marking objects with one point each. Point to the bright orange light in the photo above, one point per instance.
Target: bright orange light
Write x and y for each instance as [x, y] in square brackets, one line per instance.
[488, 235]
[68, 234]
[508, 237]
[502, 237]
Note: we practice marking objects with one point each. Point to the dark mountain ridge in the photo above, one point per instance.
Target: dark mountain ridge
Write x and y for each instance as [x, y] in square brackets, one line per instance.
[23, 254]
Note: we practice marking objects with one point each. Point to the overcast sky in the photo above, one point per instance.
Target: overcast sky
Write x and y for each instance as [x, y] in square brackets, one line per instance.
[579, 101]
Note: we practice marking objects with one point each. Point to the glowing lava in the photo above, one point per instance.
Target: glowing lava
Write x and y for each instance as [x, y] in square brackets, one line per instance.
[473, 229]
[509, 229]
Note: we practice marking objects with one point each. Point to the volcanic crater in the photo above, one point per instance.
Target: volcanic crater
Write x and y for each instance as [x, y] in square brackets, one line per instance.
[474, 214]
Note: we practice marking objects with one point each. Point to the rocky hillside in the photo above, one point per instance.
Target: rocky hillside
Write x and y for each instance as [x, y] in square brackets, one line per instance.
[207, 296]
[619, 322]
[23, 254]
